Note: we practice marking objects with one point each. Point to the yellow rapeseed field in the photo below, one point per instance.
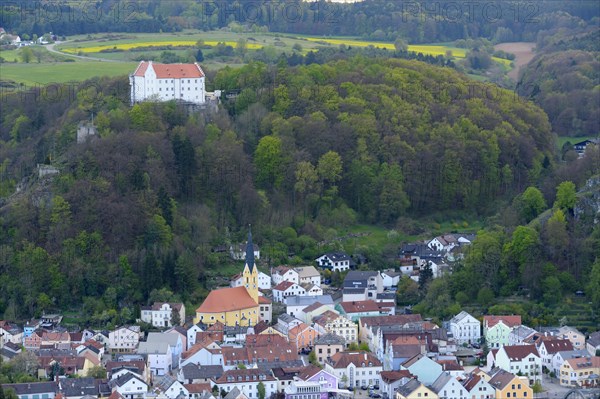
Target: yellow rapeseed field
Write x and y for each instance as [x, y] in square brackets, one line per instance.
[129, 46]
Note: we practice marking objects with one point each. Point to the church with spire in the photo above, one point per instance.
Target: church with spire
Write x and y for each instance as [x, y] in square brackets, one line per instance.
[237, 306]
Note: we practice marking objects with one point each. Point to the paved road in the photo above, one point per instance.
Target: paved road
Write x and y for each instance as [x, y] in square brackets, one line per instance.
[51, 49]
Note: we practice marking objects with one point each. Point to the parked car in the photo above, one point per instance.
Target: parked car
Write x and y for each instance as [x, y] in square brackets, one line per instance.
[376, 387]
[364, 387]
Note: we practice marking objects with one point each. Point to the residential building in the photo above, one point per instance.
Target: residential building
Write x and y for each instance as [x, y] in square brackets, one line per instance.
[576, 337]
[286, 322]
[198, 374]
[162, 314]
[520, 359]
[286, 289]
[520, 335]
[31, 390]
[303, 337]
[265, 308]
[234, 306]
[311, 312]
[163, 351]
[170, 387]
[422, 367]
[165, 82]
[331, 322]
[465, 328]
[391, 380]
[414, 389]
[560, 357]
[400, 350]
[335, 261]
[312, 289]
[247, 382]
[284, 273]
[510, 386]
[361, 286]
[312, 383]
[390, 278]
[357, 309]
[581, 372]
[296, 304]
[548, 347]
[124, 339]
[496, 329]
[446, 386]
[354, 369]
[129, 386]
[10, 333]
[328, 345]
[138, 368]
[191, 335]
[308, 275]
[593, 344]
[478, 387]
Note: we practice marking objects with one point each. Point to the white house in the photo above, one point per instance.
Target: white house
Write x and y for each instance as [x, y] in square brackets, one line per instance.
[478, 387]
[161, 314]
[170, 387]
[130, 386]
[337, 261]
[247, 381]
[390, 278]
[283, 273]
[496, 329]
[296, 304]
[308, 275]
[355, 369]
[520, 358]
[465, 328]
[124, 339]
[163, 351]
[448, 387]
[264, 281]
[209, 354]
[10, 333]
[287, 289]
[191, 335]
[312, 289]
[549, 347]
[164, 82]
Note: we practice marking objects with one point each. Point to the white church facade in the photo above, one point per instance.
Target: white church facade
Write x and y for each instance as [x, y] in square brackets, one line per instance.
[152, 81]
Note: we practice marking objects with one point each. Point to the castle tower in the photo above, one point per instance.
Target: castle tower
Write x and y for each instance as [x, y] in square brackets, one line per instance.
[250, 273]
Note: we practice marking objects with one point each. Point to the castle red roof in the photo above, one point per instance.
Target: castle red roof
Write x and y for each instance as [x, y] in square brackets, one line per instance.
[173, 71]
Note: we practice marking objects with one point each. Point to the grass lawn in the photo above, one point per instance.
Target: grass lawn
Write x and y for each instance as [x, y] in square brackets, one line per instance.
[32, 74]
[10, 55]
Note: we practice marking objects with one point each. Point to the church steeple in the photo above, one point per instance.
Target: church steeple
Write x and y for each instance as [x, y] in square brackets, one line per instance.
[250, 250]
[250, 273]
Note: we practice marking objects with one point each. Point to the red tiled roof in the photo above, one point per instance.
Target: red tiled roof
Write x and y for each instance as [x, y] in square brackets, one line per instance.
[557, 345]
[138, 364]
[343, 359]
[264, 300]
[265, 340]
[198, 388]
[471, 381]
[363, 306]
[175, 71]
[584, 362]
[326, 317]
[390, 376]
[312, 307]
[510, 321]
[518, 352]
[227, 300]
[284, 285]
[308, 372]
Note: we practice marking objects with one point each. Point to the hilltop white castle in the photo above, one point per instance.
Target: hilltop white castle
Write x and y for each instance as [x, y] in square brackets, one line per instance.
[165, 82]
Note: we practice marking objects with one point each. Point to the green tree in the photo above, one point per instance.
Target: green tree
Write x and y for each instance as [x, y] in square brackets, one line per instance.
[97, 372]
[329, 170]
[26, 55]
[260, 389]
[400, 45]
[593, 286]
[393, 201]
[268, 159]
[530, 204]
[485, 296]
[425, 276]
[312, 358]
[566, 196]
[241, 47]
[556, 235]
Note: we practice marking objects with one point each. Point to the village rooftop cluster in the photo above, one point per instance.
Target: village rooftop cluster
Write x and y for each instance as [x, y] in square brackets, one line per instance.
[235, 348]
